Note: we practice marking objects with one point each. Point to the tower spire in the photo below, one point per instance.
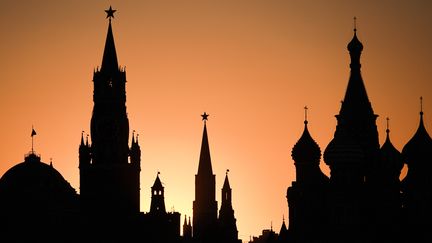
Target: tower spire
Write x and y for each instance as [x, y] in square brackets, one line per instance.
[421, 105]
[109, 60]
[205, 166]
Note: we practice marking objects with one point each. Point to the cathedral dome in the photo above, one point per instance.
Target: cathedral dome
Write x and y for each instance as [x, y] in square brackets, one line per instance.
[343, 149]
[419, 147]
[391, 158]
[355, 45]
[306, 150]
[33, 184]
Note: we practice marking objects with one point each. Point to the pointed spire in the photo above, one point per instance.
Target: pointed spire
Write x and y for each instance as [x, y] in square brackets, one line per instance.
[133, 137]
[226, 184]
[185, 221]
[82, 138]
[157, 184]
[205, 166]
[356, 102]
[109, 60]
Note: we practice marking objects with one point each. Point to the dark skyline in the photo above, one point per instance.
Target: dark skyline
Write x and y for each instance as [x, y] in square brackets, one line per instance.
[254, 70]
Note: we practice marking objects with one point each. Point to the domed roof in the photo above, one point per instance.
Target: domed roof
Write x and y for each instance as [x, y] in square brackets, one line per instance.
[37, 185]
[391, 158]
[419, 146]
[306, 150]
[355, 45]
[343, 149]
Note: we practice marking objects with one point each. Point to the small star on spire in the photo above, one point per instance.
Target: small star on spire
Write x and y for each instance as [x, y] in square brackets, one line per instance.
[204, 116]
[110, 13]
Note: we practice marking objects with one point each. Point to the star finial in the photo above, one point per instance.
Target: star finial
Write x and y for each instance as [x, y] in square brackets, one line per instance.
[110, 13]
[205, 116]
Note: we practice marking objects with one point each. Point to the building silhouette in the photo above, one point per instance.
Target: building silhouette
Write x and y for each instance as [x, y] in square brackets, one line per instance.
[207, 227]
[363, 200]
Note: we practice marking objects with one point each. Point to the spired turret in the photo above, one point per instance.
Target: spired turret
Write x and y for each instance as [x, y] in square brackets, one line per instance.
[227, 222]
[109, 182]
[306, 196]
[417, 184]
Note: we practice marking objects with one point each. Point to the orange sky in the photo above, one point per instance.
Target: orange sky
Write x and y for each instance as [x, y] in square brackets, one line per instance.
[252, 65]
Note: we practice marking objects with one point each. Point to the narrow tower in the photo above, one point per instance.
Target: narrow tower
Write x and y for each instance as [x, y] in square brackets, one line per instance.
[109, 182]
[352, 155]
[205, 205]
[306, 195]
[157, 206]
[227, 221]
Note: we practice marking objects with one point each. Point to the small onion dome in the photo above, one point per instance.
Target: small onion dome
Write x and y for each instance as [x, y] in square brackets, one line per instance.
[419, 147]
[306, 150]
[391, 158]
[343, 149]
[355, 45]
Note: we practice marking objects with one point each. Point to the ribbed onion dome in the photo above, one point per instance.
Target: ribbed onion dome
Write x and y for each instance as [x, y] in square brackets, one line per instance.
[343, 149]
[391, 158]
[306, 150]
[355, 45]
[419, 147]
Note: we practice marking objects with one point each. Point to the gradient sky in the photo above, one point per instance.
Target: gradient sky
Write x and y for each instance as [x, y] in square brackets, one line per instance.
[252, 65]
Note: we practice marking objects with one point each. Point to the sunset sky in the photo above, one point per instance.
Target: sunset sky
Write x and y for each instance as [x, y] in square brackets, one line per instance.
[251, 64]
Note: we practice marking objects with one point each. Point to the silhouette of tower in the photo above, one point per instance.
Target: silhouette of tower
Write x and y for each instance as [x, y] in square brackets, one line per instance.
[306, 196]
[187, 229]
[109, 182]
[352, 154]
[227, 221]
[417, 184]
[157, 200]
[205, 205]
[386, 194]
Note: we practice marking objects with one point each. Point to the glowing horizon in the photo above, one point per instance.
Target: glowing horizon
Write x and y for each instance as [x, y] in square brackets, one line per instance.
[251, 65]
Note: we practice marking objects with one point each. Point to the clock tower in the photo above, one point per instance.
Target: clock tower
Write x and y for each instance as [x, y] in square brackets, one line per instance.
[109, 180]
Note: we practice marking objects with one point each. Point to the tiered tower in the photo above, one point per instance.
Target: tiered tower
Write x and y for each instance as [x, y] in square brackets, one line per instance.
[109, 182]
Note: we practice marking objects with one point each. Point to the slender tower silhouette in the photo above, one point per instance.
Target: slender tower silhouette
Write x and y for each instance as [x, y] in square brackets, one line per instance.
[108, 181]
[205, 205]
[157, 200]
[306, 195]
[227, 221]
[353, 153]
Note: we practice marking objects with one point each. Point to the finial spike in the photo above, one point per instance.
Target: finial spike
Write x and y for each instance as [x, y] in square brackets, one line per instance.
[388, 127]
[421, 105]
[355, 24]
[306, 113]
[227, 172]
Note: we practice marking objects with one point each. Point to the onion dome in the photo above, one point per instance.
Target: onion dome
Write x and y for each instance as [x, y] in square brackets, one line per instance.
[391, 158]
[33, 184]
[355, 45]
[419, 147]
[306, 150]
[343, 149]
